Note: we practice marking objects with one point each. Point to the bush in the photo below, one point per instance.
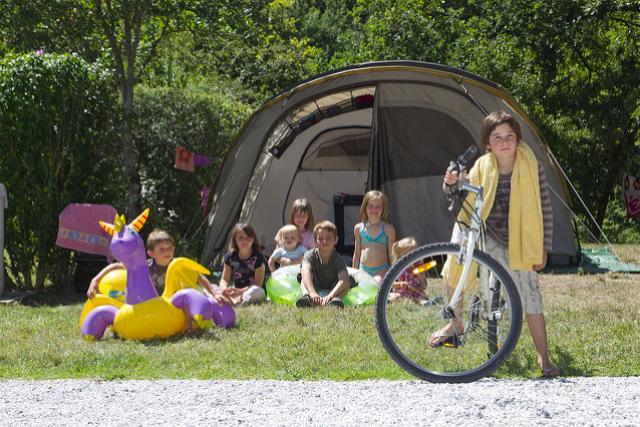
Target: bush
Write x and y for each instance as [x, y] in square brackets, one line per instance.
[203, 122]
[618, 226]
[57, 147]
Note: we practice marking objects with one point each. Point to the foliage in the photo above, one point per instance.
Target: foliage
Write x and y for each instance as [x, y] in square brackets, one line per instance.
[57, 133]
[125, 34]
[617, 225]
[256, 43]
[574, 66]
[284, 343]
[584, 56]
[55, 26]
[203, 121]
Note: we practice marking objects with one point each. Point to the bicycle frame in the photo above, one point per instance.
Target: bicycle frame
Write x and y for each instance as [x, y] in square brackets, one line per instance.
[468, 243]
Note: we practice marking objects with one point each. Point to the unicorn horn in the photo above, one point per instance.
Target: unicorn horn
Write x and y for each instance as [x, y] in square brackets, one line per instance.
[138, 223]
[107, 227]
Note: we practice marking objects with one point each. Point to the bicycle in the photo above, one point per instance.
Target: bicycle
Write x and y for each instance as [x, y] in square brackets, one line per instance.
[489, 305]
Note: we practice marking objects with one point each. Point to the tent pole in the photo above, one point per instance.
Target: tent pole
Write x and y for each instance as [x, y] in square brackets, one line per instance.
[477, 104]
[583, 204]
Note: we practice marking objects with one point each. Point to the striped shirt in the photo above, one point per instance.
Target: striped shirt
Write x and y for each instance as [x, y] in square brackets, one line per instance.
[498, 221]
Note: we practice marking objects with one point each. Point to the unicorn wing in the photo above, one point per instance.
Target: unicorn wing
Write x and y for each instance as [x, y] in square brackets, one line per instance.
[182, 273]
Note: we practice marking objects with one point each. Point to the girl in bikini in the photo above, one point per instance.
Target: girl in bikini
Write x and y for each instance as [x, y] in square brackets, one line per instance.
[374, 236]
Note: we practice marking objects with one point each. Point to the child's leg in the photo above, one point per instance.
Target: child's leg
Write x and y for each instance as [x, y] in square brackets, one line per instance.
[341, 289]
[376, 272]
[393, 296]
[308, 280]
[455, 326]
[533, 307]
[538, 329]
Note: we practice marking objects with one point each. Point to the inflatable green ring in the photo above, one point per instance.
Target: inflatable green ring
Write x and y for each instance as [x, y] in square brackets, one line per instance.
[283, 287]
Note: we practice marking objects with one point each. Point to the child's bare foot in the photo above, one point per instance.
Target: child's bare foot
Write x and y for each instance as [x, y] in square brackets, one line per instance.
[447, 335]
[550, 372]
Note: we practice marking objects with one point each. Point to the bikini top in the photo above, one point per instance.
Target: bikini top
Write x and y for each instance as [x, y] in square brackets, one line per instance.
[379, 239]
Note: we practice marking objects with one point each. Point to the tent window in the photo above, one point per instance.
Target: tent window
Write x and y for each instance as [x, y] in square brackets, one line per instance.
[313, 112]
[339, 149]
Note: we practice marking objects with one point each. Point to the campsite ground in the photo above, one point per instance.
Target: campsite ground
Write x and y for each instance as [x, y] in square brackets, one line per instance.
[600, 401]
[628, 253]
[592, 320]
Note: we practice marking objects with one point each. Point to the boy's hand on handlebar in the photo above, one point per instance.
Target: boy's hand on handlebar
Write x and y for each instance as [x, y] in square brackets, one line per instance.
[451, 177]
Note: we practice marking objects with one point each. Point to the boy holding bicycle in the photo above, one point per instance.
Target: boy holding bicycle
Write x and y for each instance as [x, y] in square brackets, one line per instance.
[519, 223]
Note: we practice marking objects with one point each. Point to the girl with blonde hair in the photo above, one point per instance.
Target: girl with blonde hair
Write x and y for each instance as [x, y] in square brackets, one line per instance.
[374, 236]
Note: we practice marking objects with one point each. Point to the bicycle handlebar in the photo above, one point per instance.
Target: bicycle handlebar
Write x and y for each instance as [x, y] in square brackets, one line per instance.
[459, 165]
[463, 160]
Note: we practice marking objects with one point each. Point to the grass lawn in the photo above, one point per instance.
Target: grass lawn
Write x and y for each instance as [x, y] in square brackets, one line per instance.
[592, 322]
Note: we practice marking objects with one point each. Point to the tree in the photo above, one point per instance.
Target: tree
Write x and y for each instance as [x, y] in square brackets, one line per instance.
[257, 44]
[583, 63]
[57, 137]
[133, 30]
[202, 121]
[125, 33]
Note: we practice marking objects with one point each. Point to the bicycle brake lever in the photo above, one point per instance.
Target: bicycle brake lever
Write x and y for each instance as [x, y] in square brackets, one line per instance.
[452, 166]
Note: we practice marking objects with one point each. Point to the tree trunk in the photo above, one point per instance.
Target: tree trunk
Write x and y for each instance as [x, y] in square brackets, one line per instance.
[62, 279]
[618, 160]
[41, 275]
[129, 155]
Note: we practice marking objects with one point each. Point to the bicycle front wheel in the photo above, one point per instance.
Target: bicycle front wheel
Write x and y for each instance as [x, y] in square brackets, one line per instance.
[411, 306]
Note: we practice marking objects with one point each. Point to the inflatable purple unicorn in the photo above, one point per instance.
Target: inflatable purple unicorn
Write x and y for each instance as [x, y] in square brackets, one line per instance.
[144, 314]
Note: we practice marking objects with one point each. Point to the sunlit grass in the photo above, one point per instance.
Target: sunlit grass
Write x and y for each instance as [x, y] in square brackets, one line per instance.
[592, 322]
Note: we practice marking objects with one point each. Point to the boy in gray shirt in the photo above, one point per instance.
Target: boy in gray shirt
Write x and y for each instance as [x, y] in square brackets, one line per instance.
[324, 270]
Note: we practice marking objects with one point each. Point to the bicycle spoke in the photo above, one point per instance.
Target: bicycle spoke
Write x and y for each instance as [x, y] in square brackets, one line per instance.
[406, 325]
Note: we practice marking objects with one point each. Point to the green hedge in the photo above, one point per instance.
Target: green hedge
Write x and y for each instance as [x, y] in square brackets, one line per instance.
[202, 120]
[58, 146]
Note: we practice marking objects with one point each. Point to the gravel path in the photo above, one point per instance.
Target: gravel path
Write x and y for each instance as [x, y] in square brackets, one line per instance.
[571, 401]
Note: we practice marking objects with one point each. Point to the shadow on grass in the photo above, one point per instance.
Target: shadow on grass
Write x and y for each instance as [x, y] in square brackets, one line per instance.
[52, 298]
[568, 365]
[519, 365]
[523, 365]
[207, 334]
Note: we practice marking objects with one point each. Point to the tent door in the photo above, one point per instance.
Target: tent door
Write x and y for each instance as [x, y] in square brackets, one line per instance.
[346, 209]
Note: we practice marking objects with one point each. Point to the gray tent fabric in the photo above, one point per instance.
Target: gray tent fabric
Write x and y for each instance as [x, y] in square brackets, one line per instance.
[310, 141]
[412, 141]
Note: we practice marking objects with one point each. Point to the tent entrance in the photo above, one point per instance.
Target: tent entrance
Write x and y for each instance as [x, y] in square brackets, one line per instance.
[333, 170]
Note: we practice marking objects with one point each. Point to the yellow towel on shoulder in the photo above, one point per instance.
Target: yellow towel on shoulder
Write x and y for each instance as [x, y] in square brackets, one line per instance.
[526, 230]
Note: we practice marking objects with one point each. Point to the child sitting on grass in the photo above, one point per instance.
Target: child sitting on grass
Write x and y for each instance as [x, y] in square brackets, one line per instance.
[290, 249]
[324, 271]
[244, 267]
[408, 285]
[160, 250]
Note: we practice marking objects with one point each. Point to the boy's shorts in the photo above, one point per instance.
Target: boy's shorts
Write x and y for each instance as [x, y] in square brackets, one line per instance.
[526, 281]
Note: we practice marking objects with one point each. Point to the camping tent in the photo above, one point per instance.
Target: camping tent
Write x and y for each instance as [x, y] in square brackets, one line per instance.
[392, 126]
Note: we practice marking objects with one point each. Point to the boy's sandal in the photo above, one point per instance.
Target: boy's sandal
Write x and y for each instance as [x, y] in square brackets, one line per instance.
[441, 338]
[551, 372]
